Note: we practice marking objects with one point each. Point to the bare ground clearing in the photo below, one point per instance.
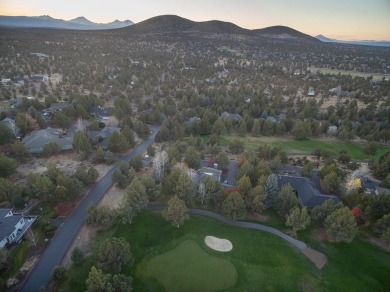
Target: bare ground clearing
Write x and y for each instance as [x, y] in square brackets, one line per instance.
[66, 162]
[111, 199]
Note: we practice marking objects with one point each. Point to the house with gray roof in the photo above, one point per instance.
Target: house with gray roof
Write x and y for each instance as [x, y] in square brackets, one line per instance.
[11, 125]
[192, 120]
[234, 117]
[380, 190]
[37, 140]
[214, 173]
[13, 226]
[101, 137]
[307, 193]
[16, 102]
[55, 107]
[101, 112]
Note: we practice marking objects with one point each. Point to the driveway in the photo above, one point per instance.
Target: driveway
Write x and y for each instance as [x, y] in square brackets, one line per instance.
[52, 256]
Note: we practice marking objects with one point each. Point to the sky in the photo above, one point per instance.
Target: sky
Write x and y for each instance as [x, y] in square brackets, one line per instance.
[339, 19]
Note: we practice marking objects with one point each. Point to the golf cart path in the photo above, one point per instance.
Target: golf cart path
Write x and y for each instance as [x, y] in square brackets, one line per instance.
[316, 257]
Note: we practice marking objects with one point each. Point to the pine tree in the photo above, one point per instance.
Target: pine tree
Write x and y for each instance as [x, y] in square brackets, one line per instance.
[298, 219]
[341, 226]
[95, 280]
[272, 189]
[233, 207]
[176, 212]
[286, 201]
[135, 198]
[185, 189]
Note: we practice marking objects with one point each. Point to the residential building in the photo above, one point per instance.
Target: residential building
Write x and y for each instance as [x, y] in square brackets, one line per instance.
[192, 120]
[214, 173]
[39, 78]
[16, 102]
[332, 130]
[380, 190]
[55, 107]
[308, 195]
[13, 226]
[234, 117]
[101, 112]
[10, 124]
[37, 140]
[102, 137]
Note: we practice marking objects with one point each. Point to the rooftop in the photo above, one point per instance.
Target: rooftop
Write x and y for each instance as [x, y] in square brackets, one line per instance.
[307, 193]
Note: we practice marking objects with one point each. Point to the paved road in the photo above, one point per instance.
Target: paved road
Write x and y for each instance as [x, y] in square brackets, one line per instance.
[40, 275]
[296, 243]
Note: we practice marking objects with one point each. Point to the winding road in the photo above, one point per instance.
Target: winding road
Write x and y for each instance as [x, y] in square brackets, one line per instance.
[52, 256]
[296, 243]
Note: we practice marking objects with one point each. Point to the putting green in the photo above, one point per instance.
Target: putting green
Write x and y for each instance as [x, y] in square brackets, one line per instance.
[189, 268]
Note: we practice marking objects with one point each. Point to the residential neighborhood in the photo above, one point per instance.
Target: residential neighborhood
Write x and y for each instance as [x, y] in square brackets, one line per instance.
[183, 155]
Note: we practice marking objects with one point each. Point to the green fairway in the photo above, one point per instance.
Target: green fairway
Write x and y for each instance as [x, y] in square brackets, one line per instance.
[375, 76]
[305, 146]
[259, 258]
[189, 268]
[168, 258]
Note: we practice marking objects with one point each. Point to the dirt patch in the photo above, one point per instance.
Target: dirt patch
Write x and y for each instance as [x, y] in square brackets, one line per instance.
[28, 264]
[319, 234]
[55, 78]
[257, 217]
[83, 241]
[111, 199]
[319, 259]
[66, 162]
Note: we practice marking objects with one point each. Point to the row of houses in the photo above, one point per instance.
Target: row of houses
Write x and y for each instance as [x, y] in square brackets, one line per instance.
[305, 189]
[21, 80]
[37, 140]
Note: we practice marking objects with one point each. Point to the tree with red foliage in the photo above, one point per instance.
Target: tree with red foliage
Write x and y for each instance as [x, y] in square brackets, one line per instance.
[228, 191]
[241, 161]
[63, 209]
[357, 213]
[211, 161]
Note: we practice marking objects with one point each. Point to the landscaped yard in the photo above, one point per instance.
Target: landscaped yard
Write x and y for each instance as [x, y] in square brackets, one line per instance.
[166, 257]
[305, 146]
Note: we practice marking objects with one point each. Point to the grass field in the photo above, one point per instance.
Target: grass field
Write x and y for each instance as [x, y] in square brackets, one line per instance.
[375, 76]
[262, 261]
[305, 146]
[189, 268]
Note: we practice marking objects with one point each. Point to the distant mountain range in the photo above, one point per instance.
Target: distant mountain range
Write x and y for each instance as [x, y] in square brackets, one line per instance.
[46, 21]
[363, 42]
[173, 24]
[176, 24]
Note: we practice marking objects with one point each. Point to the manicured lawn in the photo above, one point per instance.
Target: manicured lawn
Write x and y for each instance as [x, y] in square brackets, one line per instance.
[306, 146]
[188, 267]
[359, 265]
[162, 254]
[375, 76]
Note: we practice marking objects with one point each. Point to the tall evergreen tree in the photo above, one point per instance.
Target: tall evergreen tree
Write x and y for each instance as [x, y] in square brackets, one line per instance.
[185, 189]
[340, 226]
[272, 189]
[176, 212]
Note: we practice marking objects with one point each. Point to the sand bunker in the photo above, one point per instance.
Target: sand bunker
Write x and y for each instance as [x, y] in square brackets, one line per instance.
[218, 244]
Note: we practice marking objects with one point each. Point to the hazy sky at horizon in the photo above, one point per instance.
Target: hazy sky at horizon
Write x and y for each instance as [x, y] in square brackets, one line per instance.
[341, 19]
